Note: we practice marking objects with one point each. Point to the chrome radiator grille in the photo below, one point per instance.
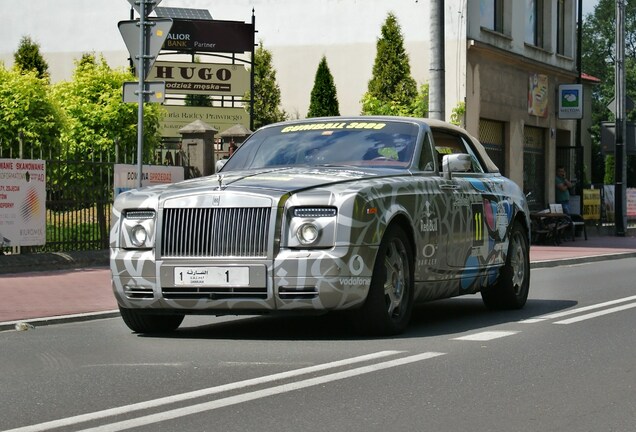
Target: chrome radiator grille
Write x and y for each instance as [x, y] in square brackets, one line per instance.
[215, 232]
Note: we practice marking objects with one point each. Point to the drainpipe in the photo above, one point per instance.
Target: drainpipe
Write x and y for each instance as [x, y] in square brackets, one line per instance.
[437, 86]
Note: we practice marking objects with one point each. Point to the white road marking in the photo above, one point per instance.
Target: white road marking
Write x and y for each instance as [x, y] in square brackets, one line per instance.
[198, 393]
[597, 314]
[531, 320]
[578, 310]
[587, 308]
[486, 336]
[258, 394]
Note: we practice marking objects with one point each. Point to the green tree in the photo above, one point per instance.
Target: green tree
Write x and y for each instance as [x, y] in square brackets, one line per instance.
[266, 91]
[28, 58]
[97, 117]
[28, 112]
[598, 57]
[98, 125]
[324, 98]
[392, 90]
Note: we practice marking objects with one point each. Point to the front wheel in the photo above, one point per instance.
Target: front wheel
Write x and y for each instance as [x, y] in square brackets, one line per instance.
[387, 309]
[146, 323]
[511, 289]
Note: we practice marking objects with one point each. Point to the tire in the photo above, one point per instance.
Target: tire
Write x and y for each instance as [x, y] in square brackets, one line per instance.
[511, 289]
[146, 323]
[389, 304]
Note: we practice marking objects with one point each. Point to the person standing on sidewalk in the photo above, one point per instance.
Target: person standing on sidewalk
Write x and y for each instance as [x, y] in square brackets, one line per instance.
[563, 186]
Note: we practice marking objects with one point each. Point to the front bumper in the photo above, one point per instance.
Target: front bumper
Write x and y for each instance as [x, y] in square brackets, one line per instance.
[320, 280]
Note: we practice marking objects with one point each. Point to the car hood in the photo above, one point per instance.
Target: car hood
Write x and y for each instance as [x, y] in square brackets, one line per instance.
[270, 182]
[290, 179]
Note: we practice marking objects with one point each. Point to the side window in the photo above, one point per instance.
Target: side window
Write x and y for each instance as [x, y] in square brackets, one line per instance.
[448, 143]
[427, 163]
[477, 168]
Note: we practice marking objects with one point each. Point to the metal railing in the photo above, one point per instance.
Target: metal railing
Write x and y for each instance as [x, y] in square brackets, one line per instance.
[79, 195]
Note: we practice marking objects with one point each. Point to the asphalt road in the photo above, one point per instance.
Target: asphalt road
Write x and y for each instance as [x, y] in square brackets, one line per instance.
[564, 363]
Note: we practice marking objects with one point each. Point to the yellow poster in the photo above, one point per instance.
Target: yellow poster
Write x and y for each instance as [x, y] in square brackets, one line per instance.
[538, 95]
[591, 204]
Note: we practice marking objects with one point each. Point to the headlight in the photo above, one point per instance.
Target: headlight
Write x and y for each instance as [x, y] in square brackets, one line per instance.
[307, 234]
[137, 229]
[312, 227]
[139, 235]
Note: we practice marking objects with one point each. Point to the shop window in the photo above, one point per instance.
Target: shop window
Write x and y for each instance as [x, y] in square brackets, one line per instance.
[491, 135]
[534, 166]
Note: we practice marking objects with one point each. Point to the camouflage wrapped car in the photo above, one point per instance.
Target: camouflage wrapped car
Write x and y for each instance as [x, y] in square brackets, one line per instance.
[365, 214]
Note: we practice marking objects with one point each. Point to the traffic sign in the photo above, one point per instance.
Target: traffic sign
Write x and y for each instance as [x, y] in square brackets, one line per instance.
[154, 92]
[629, 105]
[155, 37]
[148, 7]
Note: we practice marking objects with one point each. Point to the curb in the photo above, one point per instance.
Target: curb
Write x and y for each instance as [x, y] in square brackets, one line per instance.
[581, 260]
[47, 261]
[34, 323]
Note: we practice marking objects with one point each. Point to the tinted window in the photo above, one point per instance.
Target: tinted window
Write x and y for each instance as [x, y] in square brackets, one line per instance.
[349, 143]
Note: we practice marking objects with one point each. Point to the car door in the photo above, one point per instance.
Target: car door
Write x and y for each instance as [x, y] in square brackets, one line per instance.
[475, 221]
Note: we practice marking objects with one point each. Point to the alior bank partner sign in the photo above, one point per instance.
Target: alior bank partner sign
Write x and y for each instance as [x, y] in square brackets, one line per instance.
[22, 202]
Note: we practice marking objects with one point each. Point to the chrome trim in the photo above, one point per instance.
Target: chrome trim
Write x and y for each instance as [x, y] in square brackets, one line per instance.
[214, 293]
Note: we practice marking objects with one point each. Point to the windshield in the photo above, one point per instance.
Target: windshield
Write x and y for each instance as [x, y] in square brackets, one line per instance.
[347, 143]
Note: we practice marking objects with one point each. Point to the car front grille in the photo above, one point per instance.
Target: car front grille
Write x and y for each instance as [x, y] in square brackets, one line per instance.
[215, 232]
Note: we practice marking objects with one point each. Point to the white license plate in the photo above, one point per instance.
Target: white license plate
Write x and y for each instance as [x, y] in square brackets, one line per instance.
[212, 276]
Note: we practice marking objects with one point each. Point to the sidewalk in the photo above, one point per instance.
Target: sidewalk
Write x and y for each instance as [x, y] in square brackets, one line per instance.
[74, 287]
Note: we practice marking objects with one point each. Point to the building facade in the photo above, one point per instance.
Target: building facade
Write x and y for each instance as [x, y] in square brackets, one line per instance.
[517, 56]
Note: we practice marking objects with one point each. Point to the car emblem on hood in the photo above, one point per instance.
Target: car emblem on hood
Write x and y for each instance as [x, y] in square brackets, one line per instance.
[219, 178]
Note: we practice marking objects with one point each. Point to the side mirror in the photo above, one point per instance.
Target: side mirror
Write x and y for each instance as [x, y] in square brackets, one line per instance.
[459, 162]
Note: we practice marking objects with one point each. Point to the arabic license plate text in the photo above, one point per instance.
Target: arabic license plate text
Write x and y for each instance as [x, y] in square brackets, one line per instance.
[212, 276]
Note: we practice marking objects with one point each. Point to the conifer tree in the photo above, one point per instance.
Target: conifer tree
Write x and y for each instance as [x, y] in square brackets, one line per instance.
[324, 100]
[28, 58]
[267, 96]
[391, 89]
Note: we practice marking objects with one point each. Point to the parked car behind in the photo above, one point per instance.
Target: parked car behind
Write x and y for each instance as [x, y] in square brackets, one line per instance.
[368, 215]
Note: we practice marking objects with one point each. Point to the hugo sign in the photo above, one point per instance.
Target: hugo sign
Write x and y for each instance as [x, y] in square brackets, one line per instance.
[208, 78]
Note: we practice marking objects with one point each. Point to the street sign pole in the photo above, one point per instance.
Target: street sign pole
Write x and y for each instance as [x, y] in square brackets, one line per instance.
[620, 170]
[144, 45]
[142, 73]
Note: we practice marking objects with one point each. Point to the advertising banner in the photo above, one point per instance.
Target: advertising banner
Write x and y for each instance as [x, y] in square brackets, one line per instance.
[202, 78]
[592, 204]
[609, 204]
[210, 36]
[631, 203]
[126, 176]
[220, 119]
[571, 101]
[22, 202]
[538, 95]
